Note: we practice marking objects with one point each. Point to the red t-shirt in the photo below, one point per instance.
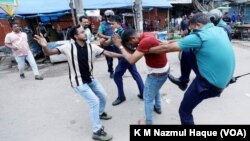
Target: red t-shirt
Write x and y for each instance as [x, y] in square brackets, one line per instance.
[147, 41]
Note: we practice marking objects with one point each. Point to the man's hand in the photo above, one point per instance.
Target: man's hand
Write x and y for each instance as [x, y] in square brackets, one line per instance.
[117, 40]
[41, 40]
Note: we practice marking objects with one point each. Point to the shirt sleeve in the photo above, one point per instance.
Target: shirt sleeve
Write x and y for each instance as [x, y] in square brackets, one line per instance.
[62, 48]
[190, 41]
[101, 28]
[7, 39]
[97, 51]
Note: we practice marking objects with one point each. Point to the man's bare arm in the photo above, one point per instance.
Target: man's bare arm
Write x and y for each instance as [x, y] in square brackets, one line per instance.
[10, 46]
[43, 43]
[165, 47]
[131, 58]
[112, 54]
[100, 35]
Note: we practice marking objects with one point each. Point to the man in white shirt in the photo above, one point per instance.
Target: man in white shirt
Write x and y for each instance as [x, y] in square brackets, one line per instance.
[84, 21]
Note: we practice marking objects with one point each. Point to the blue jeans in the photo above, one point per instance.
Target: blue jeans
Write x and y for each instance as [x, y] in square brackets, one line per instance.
[95, 96]
[120, 69]
[151, 95]
[21, 63]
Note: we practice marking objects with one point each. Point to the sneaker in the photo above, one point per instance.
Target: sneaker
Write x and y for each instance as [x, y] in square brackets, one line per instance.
[118, 101]
[105, 116]
[22, 76]
[38, 77]
[101, 135]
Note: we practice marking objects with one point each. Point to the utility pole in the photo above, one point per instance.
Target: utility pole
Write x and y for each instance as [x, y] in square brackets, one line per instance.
[138, 15]
[71, 5]
[79, 8]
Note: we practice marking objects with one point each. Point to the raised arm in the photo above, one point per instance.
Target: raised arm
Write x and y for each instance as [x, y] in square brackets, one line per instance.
[131, 58]
[43, 43]
[112, 54]
[171, 46]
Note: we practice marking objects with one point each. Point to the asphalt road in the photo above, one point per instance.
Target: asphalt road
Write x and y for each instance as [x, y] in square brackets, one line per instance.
[50, 110]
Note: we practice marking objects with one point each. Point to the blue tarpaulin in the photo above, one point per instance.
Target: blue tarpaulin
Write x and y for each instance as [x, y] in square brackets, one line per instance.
[51, 6]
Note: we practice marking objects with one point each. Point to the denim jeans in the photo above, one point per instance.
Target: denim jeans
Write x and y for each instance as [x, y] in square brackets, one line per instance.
[120, 69]
[151, 95]
[21, 63]
[95, 95]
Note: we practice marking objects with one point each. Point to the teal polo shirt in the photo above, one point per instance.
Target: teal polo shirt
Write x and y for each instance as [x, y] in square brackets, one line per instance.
[214, 54]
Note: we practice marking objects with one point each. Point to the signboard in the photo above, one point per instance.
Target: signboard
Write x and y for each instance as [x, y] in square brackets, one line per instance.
[180, 1]
[9, 6]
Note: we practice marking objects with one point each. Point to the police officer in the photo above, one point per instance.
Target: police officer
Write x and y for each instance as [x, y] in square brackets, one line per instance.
[215, 17]
[213, 58]
[104, 33]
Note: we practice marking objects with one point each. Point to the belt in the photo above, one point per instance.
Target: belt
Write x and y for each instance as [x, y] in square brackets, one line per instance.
[160, 74]
[212, 87]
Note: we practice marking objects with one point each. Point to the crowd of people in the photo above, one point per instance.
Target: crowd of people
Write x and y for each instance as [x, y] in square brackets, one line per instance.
[205, 47]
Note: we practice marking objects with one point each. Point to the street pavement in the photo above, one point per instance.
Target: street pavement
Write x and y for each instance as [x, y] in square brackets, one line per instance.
[49, 110]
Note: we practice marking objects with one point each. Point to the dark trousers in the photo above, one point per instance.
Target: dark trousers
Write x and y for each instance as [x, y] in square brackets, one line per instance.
[199, 90]
[110, 59]
[188, 63]
[120, 69]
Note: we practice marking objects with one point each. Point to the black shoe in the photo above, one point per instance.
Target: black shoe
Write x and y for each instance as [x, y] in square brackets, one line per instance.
[118, 101]
[101, 135]
[111, 75]
[105, 116]
[38, 77]
[22, 76]
[178, 82]
[140, 96]
[158, 111]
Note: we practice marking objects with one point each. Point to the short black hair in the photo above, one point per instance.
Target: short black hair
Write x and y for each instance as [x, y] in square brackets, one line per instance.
[115, 18]
[200, 18]
[73, 31]
[127, 34]
[83, 17]
[13, 23]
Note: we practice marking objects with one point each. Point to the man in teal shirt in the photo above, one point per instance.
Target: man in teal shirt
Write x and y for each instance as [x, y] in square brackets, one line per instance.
[215, 17]
[213, 58]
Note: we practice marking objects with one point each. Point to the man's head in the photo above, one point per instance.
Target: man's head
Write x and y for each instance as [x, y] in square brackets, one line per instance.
[215, 16]
[115, 21]
[78, 33]
[171, 33]
[15, 27]
[84, 21]
[130, 37]
[108, 14]
[198, 20]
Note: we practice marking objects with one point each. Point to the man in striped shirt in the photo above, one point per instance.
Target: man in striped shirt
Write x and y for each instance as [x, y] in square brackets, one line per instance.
[81, 55]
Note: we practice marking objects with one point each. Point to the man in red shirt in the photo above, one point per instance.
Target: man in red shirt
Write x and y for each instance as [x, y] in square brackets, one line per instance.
[157, 65]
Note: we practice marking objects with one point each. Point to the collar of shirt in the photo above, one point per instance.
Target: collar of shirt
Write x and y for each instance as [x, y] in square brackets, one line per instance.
[78, 46]
[206, 26]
